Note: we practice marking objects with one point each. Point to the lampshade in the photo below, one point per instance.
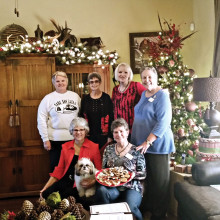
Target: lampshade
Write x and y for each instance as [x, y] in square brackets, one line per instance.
[206, 89]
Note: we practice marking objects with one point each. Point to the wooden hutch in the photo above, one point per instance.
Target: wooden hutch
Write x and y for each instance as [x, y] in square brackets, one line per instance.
[25, 80]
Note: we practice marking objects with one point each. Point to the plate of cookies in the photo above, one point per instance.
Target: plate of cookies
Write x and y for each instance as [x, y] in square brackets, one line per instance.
[115, 176]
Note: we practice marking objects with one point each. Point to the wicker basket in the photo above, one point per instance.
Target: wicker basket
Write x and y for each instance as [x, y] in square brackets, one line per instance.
[16, 31]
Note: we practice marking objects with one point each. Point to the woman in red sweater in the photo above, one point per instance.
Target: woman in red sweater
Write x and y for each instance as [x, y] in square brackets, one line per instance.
[126, 95]
[62, 178]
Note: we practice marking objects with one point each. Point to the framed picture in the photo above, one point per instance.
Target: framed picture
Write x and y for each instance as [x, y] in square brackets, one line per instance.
[138, 49]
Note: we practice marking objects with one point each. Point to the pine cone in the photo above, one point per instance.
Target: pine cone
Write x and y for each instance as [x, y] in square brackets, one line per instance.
[33, 215]
[72, 200]
[44, 207]
[44, 216]
[77, 212]
[80, 206]
[27, 207]
[64, 204]
[57, 214]
[39, 202]
[70, 208]
[20, 215]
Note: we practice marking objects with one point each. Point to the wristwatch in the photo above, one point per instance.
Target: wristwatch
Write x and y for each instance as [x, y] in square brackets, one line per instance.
[148, 142]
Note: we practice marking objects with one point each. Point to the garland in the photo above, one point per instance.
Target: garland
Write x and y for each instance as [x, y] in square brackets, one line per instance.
[64, 55]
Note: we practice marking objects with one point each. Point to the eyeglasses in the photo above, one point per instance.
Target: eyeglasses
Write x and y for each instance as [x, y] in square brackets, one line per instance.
[95, 81]
[79, 130]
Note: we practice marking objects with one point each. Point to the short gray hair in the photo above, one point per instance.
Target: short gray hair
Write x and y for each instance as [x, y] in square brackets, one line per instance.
[79, 122]
[58, 73]
[120, 122]
[148, 68]
[94, 75]
[126, 66]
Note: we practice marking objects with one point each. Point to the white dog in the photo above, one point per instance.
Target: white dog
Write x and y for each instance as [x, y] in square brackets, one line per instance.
[84, 169]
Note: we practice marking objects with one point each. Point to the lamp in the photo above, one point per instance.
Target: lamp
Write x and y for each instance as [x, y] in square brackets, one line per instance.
[208, 90]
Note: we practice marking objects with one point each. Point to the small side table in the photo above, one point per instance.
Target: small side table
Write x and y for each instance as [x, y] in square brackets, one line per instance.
[175, 177]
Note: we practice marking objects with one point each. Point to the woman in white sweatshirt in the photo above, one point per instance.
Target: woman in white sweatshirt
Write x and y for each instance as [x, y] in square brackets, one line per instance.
[55, 112]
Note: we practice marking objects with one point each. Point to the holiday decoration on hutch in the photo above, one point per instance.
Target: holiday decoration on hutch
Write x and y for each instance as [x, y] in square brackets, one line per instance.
[187, 122]
[62, 44]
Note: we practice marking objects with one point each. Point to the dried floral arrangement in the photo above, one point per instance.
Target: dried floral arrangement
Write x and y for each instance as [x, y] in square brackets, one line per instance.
[168, 43]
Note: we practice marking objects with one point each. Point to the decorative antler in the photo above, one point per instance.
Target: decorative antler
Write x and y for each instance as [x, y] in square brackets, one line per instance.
[8, 37]
[51, 39]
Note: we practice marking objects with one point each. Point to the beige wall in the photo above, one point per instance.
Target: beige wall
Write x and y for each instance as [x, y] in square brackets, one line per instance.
[203, 43]
[113, 20]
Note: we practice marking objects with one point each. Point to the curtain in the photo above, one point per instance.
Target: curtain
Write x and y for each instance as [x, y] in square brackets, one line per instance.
[216, 60]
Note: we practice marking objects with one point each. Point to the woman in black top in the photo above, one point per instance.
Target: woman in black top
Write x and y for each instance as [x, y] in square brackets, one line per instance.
[97, 109]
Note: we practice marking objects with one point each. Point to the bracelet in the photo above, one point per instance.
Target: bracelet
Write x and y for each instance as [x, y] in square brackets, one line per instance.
[148, 142]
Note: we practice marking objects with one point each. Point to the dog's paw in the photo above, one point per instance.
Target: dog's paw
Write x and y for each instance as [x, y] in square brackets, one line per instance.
[81, 193]
[90, 192]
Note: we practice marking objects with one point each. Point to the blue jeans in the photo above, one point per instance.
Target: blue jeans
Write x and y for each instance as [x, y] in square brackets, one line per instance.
[106, 195]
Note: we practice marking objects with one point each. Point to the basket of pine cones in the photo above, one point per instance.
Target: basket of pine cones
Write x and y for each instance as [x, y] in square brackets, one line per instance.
[53, 208]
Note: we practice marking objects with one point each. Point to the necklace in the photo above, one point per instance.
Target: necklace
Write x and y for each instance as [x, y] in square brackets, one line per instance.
[120, 90]
[121, 150]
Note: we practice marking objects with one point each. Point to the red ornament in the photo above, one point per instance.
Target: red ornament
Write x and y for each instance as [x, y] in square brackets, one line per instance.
[181, 132]
[190, 122]
[195, 145]
[191, 106]
[177, 82]
[172, 63]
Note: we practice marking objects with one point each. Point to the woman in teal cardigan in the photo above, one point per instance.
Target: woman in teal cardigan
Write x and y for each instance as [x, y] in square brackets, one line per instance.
[152, 133]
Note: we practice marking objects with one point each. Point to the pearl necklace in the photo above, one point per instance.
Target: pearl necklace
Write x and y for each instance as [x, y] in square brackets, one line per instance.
[121, 150]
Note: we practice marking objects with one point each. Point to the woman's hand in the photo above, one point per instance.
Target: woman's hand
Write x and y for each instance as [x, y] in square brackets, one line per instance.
[50, 182]
[47, 145]
[87, 183]
[41, 192]
[143, 147]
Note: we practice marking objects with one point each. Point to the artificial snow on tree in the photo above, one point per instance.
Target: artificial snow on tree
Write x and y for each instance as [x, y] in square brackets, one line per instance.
[187, 122]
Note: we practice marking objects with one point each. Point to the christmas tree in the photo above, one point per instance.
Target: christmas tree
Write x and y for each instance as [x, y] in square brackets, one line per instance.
[187, 122]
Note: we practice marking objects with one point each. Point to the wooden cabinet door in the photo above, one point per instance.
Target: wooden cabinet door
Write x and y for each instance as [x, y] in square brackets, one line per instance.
[33, 169]
[7, 133]
[8, 177]
[32, 81]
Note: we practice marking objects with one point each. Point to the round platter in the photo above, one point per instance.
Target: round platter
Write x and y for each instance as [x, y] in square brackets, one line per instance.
[107, 178]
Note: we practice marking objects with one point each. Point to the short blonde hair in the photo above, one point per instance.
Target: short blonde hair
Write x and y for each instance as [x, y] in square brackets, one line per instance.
[79, 122]
[127, 67]
[58, 73]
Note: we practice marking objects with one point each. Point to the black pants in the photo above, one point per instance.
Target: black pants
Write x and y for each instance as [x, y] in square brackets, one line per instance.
[66, 189]
[156, 195]
[56, 147]
[64, 186]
